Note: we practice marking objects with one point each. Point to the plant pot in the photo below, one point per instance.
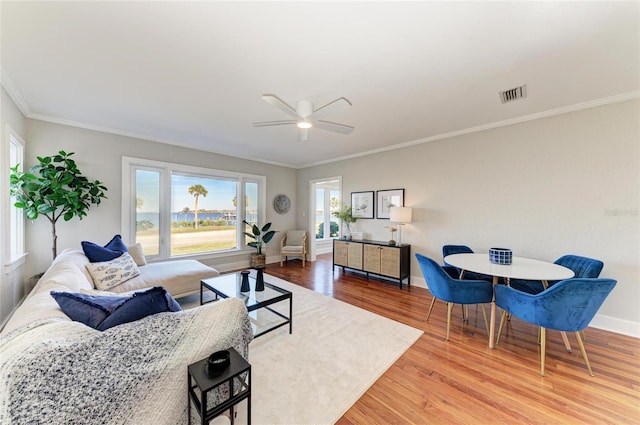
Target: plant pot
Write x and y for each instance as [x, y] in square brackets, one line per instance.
[258, 260]
[33, 281]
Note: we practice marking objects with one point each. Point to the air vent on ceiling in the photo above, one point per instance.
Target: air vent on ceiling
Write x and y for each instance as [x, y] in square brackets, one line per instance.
[513, 94]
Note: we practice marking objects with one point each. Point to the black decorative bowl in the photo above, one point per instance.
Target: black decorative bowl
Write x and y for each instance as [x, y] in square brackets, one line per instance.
[217, 363]
[502, 256]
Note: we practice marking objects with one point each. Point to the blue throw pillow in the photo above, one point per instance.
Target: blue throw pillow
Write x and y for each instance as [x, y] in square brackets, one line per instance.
[88, 309]
[141, 304]
[97, 254]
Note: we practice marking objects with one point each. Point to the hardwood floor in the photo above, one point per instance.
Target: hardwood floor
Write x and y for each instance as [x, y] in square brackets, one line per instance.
[463, 381]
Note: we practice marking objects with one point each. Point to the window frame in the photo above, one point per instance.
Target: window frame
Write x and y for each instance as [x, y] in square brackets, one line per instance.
[14, 238]
[328, 213]
[166, 169]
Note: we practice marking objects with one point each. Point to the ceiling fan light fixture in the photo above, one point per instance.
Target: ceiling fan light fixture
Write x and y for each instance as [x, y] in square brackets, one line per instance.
[305, 117]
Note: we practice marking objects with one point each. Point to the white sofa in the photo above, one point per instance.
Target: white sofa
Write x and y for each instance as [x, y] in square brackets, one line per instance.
[68, 273]
[54, 370]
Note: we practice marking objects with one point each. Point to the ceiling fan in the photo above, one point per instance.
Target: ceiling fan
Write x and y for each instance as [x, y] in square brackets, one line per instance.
[305, 117]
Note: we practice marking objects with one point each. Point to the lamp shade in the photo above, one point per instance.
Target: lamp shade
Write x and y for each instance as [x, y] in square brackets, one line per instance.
[400, 214]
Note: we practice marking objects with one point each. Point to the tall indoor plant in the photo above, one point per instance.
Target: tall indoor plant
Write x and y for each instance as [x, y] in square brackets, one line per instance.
[345, 215]
[55, 188]
[260, 236]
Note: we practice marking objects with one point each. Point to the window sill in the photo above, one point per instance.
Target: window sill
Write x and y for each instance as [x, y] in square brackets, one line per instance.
[15, 263]
[204, 255]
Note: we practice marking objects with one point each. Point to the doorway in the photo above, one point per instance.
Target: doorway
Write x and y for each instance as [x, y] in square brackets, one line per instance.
[325, 197]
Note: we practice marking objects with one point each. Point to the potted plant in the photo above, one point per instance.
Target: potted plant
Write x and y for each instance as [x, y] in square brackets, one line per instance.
[56, 189]
[260, 237]
[345, 215]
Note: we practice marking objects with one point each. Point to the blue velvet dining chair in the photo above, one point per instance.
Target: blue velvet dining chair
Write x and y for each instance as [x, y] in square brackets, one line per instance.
[583, 267]
[462, 249]
[567, 306]
[456, 273]
[453, 291]
[454, 249]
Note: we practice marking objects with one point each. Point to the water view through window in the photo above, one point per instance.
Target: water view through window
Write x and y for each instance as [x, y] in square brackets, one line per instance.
[203, 212]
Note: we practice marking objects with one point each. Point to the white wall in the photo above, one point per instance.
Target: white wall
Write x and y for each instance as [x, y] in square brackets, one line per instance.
[11, 282]
[567, 184]
[99, 156]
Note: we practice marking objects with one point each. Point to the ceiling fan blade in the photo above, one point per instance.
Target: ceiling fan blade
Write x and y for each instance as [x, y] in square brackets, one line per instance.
[270, 123]
[303, 134]
[338, 105]
[334, 126]
[274, 100]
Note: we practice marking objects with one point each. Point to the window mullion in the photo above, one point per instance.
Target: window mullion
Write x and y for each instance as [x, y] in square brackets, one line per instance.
[165, 213]
[240, 212]
[327, 213]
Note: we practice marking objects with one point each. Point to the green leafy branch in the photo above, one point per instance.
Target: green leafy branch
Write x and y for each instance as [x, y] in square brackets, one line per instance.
[259, 236]
[55, 188]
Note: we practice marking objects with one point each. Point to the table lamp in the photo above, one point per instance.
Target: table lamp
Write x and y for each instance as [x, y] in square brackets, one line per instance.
[400, 215]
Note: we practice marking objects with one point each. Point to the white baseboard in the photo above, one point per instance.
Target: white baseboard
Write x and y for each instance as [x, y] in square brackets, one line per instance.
[419, 282]
[619, 326]
[324, 249]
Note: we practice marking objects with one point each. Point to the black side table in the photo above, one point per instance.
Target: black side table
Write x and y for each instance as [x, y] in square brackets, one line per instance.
[237, 378]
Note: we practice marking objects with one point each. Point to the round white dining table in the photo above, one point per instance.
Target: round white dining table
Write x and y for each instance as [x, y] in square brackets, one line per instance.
[520, 268]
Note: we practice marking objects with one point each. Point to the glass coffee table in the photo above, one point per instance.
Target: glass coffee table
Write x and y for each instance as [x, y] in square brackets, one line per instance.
[263, 314]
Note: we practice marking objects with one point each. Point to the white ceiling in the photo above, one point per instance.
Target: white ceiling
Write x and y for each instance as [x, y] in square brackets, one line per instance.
[192, 73]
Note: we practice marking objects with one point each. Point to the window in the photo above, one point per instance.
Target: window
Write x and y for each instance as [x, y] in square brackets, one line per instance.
[148, 209]
[15, 230]
[176, 210]
[327, 201]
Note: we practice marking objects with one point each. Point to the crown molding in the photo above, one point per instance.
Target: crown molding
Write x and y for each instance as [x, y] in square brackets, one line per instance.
[133, 135]
[13, 93]
[504, 123]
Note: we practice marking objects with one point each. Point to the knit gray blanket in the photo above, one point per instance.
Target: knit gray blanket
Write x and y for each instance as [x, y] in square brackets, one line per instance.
[63, 372]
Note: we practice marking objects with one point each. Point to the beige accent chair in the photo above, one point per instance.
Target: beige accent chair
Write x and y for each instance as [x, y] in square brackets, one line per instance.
[294, 244]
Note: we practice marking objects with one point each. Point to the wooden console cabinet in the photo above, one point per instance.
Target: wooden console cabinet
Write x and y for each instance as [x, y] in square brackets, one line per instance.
[374, 257]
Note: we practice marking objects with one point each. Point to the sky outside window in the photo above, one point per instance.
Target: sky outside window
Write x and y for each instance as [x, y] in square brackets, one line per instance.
[219, 197]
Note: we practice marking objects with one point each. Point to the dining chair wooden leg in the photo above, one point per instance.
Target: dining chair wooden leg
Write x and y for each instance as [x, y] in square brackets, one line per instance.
[584, 353]
[465, 312]
[543, 348]
[433, 301]
[502, 317]
[449, 308]
[484, 316]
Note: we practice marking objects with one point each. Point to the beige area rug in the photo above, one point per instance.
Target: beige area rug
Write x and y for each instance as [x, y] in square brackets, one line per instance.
[335, 353]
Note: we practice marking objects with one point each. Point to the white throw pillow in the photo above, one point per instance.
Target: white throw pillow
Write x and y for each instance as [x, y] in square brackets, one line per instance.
[109, 274]
[136, 253]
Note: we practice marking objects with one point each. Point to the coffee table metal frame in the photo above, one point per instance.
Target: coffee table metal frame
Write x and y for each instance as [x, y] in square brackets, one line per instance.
[227, 286]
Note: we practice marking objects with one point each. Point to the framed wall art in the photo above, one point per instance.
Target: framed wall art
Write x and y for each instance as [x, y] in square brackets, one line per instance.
[362, 204]
[387, 199]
